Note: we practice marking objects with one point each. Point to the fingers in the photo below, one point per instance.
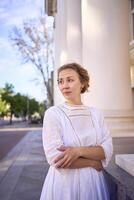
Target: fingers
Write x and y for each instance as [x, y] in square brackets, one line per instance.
[60, 162]
[62, 148]
[66, 157]
[99, 167]
[59, 158]
[64, 162]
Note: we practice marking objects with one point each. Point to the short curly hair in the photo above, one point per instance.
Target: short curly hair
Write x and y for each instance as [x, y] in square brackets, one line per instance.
[82, 72]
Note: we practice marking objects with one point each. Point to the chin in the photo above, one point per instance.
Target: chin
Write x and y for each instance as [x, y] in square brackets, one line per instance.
[66, 97]
[69, 99]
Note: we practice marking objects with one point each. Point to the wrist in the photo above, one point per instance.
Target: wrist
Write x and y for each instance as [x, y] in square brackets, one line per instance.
[93, 163]
[79, 151]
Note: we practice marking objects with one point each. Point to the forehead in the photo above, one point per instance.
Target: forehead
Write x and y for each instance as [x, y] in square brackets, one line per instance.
[68, 73]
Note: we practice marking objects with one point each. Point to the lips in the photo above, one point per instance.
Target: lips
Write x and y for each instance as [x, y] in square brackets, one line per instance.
[66, 93]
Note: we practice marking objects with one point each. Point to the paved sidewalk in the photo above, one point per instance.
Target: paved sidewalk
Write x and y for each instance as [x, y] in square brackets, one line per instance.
[22, 125]
[23, 170]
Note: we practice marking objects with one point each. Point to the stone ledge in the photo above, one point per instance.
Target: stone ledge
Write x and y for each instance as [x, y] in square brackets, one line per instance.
[126, 162]
[120, 183]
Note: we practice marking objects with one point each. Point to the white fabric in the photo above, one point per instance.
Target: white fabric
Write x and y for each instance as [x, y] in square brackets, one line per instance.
[74, 126]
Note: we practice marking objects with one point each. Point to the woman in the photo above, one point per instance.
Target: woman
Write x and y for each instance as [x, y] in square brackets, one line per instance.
[76, 141]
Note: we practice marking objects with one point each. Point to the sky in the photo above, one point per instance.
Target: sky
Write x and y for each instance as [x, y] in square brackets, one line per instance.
[13, 13]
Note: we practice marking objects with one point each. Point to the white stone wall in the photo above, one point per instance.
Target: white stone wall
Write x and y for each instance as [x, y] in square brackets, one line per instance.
[96, 34]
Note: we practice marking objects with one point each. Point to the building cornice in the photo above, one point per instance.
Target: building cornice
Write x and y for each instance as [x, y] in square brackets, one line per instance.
[50, 7]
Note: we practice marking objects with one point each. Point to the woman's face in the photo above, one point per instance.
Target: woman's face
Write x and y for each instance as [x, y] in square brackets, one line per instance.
[70, 85]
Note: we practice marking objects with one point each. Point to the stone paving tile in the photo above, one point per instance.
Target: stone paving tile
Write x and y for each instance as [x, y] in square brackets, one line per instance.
[11, 157]
[35, 172]
[38, 151]
[25, 174]
[12, 175]
[27, 189]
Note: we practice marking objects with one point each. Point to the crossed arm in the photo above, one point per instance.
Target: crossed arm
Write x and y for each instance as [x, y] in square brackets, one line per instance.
[80, 157]
[74, 157]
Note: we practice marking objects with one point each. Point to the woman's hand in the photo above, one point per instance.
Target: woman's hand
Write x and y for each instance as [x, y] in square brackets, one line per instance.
[97, 165]
[68, 155]
[69, 158]
[83, 162]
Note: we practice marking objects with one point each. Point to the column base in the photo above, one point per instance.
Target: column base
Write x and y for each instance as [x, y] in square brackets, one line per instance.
[120, 122]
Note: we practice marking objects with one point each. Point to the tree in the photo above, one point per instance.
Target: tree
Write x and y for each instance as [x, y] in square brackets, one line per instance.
[33, 106]
[18, 105]
[3, 105]
[34, 40]
[7, 96]
[42, 108]
[3, 108]
[8, 90]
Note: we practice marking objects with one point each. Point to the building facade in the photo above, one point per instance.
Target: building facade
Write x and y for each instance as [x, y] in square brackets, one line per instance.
[97, 34]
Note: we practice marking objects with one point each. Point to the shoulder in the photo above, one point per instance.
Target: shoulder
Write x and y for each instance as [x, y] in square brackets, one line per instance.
[51, 116]
[96, 112]
[53, 111]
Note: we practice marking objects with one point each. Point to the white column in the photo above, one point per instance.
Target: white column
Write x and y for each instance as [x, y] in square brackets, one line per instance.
[74, 31]
[96, 34]
[105, 26]
[60, 45]
[68, 38]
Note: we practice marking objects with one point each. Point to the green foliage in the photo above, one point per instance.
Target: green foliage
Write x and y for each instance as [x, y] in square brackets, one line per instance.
[3, 108]
[7, 93]
[42, 108]
[33, 106]
[17, 104]
[20, 105]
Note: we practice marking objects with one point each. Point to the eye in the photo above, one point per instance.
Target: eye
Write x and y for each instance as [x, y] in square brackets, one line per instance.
[70, 80]
[59, 82]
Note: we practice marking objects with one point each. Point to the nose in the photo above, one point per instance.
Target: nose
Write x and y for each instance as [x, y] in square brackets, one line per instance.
[65, 85]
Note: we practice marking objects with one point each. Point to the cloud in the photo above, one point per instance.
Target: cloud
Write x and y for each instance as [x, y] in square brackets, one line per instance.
[14, 12]
[8, 54]
[4, 64]
[3, 13]
[27, 69]
[31, 90]
[4, 3]
[4, 43]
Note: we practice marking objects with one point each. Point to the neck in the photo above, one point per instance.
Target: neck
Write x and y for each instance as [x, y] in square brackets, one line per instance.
[74, 102]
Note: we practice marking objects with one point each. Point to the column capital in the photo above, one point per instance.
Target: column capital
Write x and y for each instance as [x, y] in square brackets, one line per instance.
[50, 7]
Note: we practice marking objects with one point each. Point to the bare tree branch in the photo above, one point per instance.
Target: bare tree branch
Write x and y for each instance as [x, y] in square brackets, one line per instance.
[34, 41]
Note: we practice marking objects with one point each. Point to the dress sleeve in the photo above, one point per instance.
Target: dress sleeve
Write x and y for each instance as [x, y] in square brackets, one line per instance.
[106, 143]
[51, 135]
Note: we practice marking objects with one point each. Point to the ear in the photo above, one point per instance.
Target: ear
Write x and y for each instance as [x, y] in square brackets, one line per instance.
[82, 85]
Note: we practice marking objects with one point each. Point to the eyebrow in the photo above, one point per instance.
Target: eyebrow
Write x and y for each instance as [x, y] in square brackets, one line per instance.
[66, 77]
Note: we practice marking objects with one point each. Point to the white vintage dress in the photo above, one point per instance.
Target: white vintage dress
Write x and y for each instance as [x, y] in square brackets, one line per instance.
[74, 126]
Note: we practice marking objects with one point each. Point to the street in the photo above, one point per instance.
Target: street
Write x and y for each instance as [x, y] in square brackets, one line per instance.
[8, 139]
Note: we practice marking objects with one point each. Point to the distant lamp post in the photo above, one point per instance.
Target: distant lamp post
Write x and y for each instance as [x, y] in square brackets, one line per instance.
[27, 108]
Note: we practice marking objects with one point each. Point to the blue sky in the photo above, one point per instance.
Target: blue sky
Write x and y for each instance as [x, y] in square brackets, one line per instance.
[13, 12]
